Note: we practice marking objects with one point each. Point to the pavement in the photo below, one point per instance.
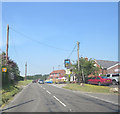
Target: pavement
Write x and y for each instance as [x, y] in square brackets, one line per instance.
[53, 98]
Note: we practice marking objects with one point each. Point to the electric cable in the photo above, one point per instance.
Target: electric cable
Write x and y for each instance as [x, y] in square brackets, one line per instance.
[25, 36]
[71, 52]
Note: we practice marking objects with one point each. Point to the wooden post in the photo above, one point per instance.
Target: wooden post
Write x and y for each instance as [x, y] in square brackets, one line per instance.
[7, 43]
[78, 62]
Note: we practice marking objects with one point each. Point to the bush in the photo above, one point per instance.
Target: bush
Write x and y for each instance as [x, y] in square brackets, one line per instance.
[8, 93]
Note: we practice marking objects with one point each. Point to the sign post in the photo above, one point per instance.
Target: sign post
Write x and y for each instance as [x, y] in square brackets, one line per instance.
[4, 70]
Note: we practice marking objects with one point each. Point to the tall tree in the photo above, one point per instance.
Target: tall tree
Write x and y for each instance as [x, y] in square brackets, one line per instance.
[87, 67]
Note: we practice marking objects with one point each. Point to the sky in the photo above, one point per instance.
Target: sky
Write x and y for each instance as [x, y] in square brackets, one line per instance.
[43, 34]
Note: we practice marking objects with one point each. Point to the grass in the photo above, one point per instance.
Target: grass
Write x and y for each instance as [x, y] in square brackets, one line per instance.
[7, 92]
[88, 88]
[23, 83]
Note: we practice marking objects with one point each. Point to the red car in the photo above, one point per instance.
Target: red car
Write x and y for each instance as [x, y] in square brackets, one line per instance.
[100, 80]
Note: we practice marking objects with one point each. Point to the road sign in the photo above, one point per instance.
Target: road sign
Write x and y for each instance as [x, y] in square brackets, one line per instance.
[4, 69]
[67, 63]
[67, 71]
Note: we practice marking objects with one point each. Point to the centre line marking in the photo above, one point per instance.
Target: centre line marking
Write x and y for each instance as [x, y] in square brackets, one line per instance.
[59, 101]
[48, 92]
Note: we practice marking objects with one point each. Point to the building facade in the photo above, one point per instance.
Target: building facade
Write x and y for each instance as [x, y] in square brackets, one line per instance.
[108, 67]
[56, 74]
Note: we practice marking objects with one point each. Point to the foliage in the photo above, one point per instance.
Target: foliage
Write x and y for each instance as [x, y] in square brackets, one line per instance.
[12, 74]
[38, 76]
[102, 75]
[86, 67]
[9, 91]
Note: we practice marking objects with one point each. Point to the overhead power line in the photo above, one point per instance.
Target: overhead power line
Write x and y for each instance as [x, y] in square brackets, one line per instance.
[72, 51]
[27, 37]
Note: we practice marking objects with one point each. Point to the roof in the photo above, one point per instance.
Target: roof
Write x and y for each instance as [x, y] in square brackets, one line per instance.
[58, 71]
[105, 63]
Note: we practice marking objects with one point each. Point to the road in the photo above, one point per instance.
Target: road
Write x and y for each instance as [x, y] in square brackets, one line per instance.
[47, 98]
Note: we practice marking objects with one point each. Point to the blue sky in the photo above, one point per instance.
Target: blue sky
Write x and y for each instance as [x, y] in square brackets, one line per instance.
[61, 25]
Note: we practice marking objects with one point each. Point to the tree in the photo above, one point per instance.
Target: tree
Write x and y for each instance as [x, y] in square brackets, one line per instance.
[12, 70]
[87, 67]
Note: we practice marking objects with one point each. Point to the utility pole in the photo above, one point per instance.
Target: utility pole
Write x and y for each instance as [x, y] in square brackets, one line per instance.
[78, 62]
[58, 67]
[53, 68]
[7, 42]
[25, 71]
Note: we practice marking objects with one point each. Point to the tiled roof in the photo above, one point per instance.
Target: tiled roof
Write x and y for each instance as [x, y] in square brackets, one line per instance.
[58, 71]
[105, 63]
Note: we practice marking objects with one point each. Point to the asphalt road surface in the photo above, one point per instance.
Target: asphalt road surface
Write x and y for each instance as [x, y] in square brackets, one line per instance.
[47, 98]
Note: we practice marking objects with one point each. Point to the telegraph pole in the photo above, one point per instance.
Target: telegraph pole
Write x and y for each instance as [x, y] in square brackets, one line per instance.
[7, 42]
[53, 68]
[25, 71]
[78, 62]
[58, 67]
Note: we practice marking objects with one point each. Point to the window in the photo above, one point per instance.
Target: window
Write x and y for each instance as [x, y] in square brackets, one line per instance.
[108, 75]
[115, 75]
[98, 78]
[93, 77]
[103, 77]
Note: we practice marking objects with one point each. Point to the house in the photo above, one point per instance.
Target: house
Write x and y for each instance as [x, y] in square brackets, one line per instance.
[108, 67]
[56, 74]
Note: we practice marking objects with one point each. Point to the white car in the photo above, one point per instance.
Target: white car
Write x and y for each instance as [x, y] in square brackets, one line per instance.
[114, 77]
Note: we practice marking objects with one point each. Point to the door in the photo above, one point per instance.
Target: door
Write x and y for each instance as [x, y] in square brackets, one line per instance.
[97, 80]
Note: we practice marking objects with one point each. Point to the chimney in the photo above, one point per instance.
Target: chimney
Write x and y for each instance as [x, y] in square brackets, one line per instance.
[86, 58]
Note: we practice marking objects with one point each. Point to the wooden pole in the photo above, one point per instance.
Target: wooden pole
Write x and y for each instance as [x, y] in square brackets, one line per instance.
[7, 42]
[26, 71]
[78, 62]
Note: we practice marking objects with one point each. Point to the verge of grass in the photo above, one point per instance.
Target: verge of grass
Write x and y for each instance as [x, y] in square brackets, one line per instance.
[88, 88]
[8, 92]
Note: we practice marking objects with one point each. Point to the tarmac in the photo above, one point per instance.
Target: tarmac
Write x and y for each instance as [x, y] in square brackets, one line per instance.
[107, 97]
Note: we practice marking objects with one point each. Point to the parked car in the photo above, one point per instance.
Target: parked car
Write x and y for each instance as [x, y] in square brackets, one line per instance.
[114, 78]
[34, 81]
[100, 80]
[48, 81]
[40, 81]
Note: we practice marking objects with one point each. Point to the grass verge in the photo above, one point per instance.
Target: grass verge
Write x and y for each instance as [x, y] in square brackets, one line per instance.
[88, 88]
[8, 92]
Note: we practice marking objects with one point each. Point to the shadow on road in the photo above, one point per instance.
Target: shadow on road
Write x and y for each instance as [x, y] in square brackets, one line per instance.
[17, 105]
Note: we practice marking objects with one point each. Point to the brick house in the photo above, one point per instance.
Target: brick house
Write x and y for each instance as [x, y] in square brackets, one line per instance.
[108, 67]
[56, 74]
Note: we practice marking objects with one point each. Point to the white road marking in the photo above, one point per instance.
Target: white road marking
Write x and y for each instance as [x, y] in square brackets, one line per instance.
[48, 92]
[70, 110]
[43, 88]
[59, 101]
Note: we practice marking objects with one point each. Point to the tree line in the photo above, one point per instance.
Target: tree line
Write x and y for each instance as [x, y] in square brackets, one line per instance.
[37, 76]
